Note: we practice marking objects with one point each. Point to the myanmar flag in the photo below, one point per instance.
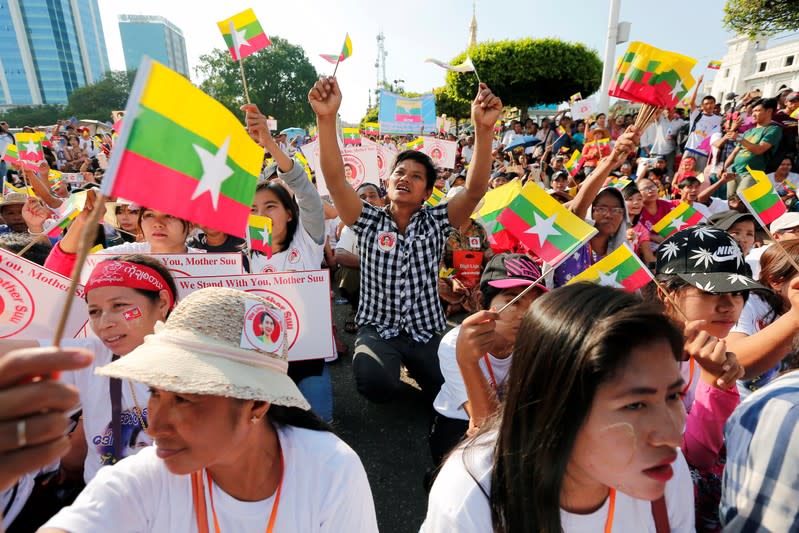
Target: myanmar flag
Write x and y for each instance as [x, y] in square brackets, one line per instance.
[571, 164]
[714, 65]
[435, 198]
[621, 269]
[346, 51]
[541, 223]
[682, 216]
[416, 144]
[182, 152]
[259, 234]
[494, 202]
[351, 135]
[371, 128]
[243, 34]
[761, 199]
[652, 76]
[29, 146]
[57, 226]
[12, 156]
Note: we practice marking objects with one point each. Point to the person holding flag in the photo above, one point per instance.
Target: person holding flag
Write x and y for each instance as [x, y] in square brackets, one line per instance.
[400, 247]
[298, 226]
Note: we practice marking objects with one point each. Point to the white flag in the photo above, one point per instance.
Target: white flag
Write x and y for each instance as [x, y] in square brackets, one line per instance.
[466, 66]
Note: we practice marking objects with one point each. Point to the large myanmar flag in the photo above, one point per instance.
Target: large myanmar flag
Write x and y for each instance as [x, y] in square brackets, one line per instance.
[29, 146]
[761, 198]
[541, 223]
[682, 216]
[494, 202]
[243, 34]
[621, 269]
[181, 152]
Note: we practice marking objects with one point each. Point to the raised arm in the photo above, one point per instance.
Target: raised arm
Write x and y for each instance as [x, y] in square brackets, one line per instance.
[486, 109]
[594, 182]
[325, 99]
[696, 91]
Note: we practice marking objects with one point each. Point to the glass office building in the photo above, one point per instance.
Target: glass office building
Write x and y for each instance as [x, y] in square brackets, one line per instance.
[154, 37]
[49, 48]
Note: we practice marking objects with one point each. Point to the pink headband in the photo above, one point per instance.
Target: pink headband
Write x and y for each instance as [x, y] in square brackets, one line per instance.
[124, 274]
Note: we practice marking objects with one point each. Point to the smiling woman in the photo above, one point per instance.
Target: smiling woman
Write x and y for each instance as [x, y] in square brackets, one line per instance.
[588, 434]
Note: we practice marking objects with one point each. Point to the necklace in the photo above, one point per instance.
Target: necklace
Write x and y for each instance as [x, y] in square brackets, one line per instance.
[200, 510]
[491, 373]
[136, 409]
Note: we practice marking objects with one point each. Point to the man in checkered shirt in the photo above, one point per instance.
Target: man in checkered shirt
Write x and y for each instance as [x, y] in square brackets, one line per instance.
[760, 492]
[400, 317]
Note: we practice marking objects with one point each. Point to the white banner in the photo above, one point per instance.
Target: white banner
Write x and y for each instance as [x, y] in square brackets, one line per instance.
[583, 108]
[31, 298]
[213, 264]
[304, 297]
[360, 164]
[443, 153]
[385, 159]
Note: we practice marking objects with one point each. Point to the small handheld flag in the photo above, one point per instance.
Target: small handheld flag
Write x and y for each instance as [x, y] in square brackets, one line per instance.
[621, 269]
[541, 223]
[572, 164]
[682, 216]
[466, 66]
[435, 197]
[183, 153]
[761, 199]
[714, 65]
[346, 51]
[259, 234]
[243, 34]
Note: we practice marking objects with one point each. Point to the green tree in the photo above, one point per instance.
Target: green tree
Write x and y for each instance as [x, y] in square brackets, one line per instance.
[452, 106]
[370, 116]
[96, 101]
[278, 77]
[527, 72]
[761, 17]
[42, 115]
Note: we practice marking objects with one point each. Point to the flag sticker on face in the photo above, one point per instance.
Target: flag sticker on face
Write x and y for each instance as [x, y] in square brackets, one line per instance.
[132, 314]
[264, 328]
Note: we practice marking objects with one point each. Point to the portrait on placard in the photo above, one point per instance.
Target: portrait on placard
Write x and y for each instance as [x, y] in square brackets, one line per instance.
[264, 328]
[354, 170]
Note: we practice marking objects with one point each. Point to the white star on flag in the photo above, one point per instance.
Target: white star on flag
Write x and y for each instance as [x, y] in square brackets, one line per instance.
[677, 89]
[678, 223]
[215, 171]
[543, 228]
[264, 236]
[610, 280]
[239, 39]
[31, 147]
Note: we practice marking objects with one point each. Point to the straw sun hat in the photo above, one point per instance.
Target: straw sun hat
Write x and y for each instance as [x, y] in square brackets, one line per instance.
[219, 342]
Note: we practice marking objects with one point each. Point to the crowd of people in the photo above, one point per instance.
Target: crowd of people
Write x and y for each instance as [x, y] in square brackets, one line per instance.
[553, 406]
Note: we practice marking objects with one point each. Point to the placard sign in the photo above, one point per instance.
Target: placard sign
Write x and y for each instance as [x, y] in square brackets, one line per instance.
[31, 297]
[213, 264]
[304, 297]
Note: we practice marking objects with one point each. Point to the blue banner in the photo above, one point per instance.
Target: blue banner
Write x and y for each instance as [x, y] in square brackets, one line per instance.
[400, 114]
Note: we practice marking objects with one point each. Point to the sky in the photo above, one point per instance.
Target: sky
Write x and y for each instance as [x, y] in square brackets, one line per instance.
[417, 29]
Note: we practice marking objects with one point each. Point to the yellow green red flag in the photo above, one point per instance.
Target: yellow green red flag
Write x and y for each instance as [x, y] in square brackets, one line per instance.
[620, 269]
[435, 198]
[259, 234]
[346, 51]
[243, 34]
[682, 216]
[541, 223]
[761, 198]
[182, 152]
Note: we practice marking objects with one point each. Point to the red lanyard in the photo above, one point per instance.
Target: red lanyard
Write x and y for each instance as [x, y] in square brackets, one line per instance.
[200, 510]
[611, 509]
[491, 373]
[691, 364]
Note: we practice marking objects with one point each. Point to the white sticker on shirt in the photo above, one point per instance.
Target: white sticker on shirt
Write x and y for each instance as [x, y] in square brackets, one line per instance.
[386, 240]
[474, 242]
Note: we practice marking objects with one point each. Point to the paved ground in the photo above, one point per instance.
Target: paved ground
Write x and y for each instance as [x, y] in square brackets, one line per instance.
[390, 439]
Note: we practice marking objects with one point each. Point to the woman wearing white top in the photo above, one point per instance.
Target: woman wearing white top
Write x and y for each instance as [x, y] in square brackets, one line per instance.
[589, 431]
[298, 236]
[235, 448]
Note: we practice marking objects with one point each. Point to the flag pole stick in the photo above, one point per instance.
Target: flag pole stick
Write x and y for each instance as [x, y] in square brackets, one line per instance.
[30, 244]
[244, 80]
[87, 235]
[336, 67]
[526, 290]
[788, 256]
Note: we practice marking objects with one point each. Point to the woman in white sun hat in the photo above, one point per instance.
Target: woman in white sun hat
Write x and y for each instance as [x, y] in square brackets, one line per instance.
[236, 449]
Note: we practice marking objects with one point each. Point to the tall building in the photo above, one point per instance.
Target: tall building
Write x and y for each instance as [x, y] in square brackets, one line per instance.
[49, 48]
[750, 65]
[155, 37]
[473, 26]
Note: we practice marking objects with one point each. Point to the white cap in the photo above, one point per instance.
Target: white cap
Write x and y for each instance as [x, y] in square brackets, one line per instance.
[785, 221]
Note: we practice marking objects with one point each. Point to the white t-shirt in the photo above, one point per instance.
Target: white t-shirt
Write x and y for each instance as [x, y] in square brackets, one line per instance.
[702, 208]
[717, 205]
[753, 259]
[347, 241]
[325, 489]
[756, 315]
[95, 399]
[302, 254]
[467, 152]
[457, 504]
[452, 395]
[706, 125]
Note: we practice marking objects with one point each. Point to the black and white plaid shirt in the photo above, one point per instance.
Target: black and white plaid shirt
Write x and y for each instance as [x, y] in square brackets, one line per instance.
[399, 273]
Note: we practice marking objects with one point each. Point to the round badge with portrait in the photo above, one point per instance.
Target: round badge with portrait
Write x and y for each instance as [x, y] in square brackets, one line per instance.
[264, 328]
